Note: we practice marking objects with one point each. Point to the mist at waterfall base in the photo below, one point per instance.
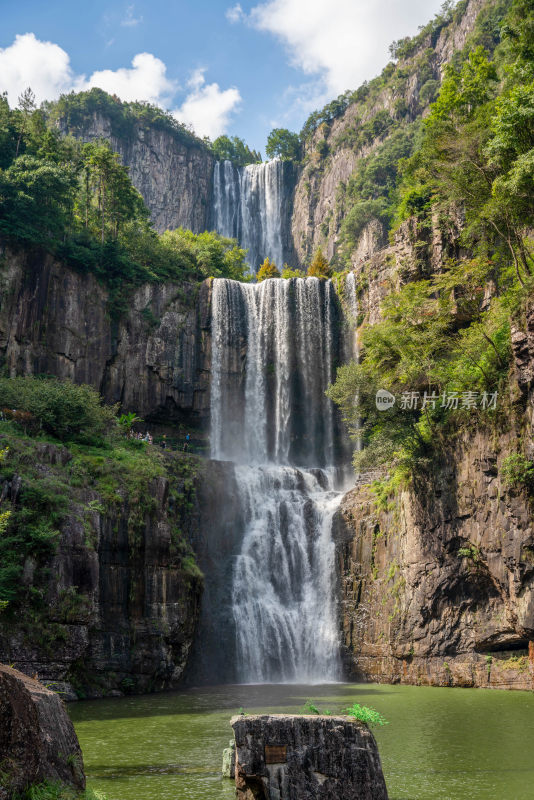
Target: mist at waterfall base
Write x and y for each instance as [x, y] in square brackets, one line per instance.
[274, 345]
[250, 204]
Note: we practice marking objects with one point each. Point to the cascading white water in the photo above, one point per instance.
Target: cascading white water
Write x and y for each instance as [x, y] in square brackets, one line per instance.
[248, 206]
[272, 359]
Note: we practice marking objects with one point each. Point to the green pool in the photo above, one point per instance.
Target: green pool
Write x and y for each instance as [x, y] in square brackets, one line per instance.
[441, 744]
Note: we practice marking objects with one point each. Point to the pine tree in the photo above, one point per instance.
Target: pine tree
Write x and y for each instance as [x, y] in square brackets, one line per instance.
[320, 266]
[267, 270]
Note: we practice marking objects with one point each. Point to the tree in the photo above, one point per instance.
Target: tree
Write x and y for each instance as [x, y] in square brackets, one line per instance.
[235, 150]
[288, 273]
[27, 107]
[108, 197]
[320, 266]
[267, 270]
[36, 198]
[283, 144]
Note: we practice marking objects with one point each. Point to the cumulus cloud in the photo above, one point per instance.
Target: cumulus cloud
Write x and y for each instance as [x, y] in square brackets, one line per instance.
[344, 42]
[146, 79]
[207, 108]
[46, 68]
[29, 62]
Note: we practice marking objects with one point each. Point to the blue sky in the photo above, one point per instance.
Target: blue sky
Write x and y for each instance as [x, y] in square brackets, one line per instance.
[240, 68]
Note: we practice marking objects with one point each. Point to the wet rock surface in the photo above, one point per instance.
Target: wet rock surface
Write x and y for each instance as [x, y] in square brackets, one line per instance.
[287, 757]
[37, 738]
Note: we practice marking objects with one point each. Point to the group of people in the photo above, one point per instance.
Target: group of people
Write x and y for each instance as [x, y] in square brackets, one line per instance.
[142, 437]
[149, 439]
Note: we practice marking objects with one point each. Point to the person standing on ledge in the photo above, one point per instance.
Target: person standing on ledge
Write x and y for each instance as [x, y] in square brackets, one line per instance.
[187, 442]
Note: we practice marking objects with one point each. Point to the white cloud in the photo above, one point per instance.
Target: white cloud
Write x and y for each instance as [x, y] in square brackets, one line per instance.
[207, 108]
[344, 42]
[46, 68]
[130, 21]
[145, 80]
[29, 62]
[235, 13]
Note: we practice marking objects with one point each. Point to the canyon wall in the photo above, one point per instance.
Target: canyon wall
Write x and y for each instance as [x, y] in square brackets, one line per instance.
[154, 361]
[174, 175]
[438, 588]
[333, 151]
[123, 590]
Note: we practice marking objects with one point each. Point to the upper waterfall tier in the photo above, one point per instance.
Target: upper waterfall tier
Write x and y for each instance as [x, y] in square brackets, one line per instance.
[251, 204]
[274, 346]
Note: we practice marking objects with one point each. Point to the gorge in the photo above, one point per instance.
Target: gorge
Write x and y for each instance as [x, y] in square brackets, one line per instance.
[419, 568]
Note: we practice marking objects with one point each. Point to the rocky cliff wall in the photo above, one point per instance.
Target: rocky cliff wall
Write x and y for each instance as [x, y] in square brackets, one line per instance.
[437, 585]
[154, 361]
[123, 591]
[330, 159]
[174, 176]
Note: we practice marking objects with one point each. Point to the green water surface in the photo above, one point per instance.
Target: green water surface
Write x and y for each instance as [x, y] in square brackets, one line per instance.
[441, 744]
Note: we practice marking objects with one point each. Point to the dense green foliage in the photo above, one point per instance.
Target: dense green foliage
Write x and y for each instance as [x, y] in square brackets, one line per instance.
[50, 790]
[283, 144]
[226, 148]
[449, 335]
[97, 456]
[61, 409]
[76, 200]
[75, 111]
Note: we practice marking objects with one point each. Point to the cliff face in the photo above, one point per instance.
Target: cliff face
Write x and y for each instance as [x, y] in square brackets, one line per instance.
[331, 158]
[174, 177]
[438, 587]
[155, 361]
[123, 589]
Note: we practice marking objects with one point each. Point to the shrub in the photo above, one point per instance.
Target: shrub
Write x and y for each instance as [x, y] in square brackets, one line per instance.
[63, 409]
[365, 714]
[518, 472]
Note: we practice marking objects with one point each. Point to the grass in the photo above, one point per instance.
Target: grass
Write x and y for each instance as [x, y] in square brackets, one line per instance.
[51, 790]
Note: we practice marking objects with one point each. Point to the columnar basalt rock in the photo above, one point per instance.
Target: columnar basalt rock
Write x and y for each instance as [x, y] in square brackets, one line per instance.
[37, 738]
[174, 176]
[439, 588]
[154, 360]
[287, 757]
[122, 601]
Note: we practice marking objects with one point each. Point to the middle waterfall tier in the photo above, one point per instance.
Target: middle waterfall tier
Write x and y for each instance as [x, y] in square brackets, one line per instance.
[274, 349]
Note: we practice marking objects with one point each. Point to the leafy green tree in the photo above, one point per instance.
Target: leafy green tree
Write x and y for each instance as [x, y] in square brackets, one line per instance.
[288, 273]
[267, 270]
[234, 149]
[36, 199]
[282, 143]
[63, 409]
[107, 197]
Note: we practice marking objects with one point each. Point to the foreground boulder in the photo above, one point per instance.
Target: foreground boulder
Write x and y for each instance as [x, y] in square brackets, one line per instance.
[37, 738]
[285, 757]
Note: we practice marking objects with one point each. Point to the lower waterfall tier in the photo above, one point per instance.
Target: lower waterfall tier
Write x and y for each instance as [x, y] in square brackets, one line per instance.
[283, 593]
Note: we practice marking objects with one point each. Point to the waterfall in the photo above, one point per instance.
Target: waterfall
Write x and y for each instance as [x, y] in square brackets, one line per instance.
[351, 299]
[273, 349]
[248, 205]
